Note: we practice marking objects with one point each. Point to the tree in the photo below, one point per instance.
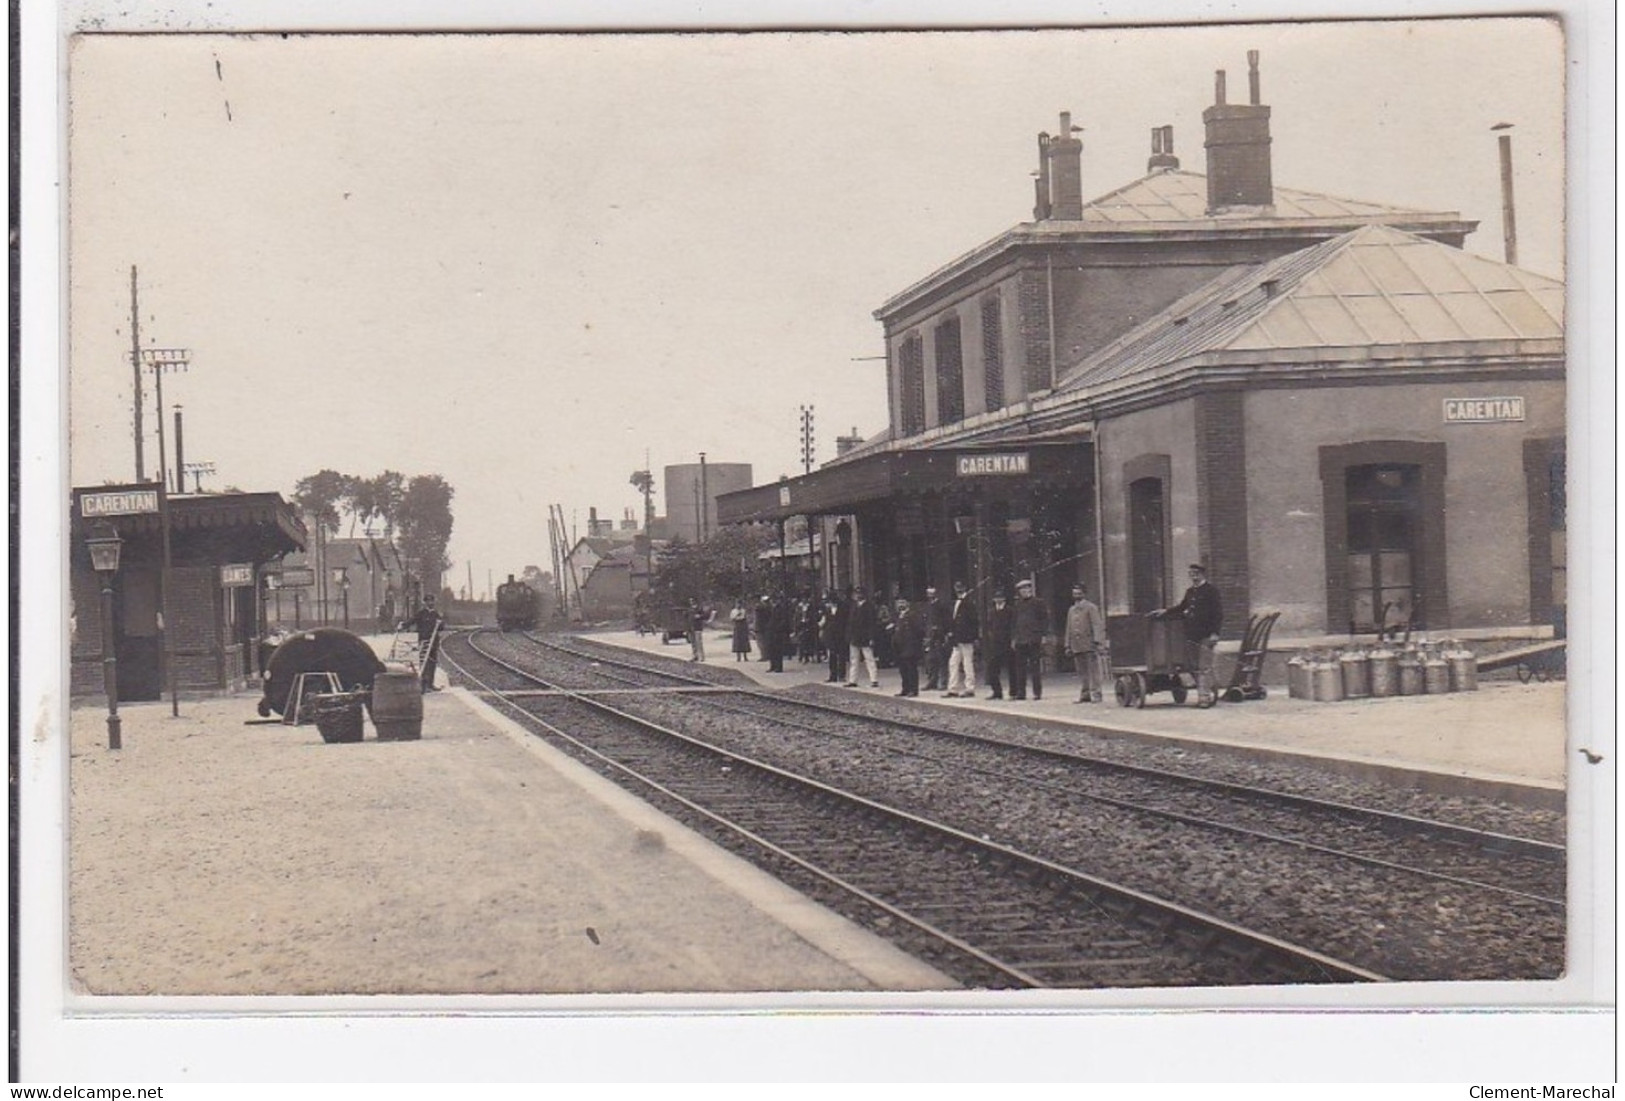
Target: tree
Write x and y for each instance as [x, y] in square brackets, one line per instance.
[425, 524]
[724, 568]
[319, 496]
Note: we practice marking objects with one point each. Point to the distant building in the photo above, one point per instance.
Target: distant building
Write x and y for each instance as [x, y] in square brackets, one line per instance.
[692, 490]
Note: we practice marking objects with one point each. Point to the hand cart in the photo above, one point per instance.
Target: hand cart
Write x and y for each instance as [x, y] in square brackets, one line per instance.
[1164, 668]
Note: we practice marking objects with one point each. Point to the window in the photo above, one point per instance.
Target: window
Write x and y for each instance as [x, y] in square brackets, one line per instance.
[911, 381]
[1383, 501]
[950, 373]
[992, 353]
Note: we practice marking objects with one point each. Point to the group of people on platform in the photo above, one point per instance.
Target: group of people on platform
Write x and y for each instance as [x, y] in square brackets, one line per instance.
[947, 639]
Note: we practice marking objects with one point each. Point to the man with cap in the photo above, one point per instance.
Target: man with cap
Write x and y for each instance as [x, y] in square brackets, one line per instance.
[428, 622]
[996, 645]
[1085, 639]
[1027, 632]
[962, 634]
[908, 645]
[1203, 614]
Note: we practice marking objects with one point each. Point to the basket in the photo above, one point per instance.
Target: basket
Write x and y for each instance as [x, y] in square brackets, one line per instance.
[339, 718]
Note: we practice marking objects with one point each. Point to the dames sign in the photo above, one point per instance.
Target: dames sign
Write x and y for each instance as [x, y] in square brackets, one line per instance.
[978, 466]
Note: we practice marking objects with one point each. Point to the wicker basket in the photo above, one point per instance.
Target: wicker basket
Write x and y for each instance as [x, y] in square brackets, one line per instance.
[339, 718]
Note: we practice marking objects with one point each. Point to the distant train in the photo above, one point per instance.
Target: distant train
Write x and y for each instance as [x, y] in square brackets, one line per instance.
[518, 606]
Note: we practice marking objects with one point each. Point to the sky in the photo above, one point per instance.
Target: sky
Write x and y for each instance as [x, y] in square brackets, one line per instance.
[527, 262]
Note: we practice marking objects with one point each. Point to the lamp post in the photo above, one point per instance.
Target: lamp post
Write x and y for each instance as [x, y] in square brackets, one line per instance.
[341, 578]
[104, 544]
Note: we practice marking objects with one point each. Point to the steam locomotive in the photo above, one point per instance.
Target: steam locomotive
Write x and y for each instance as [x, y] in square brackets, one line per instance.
[518, 606]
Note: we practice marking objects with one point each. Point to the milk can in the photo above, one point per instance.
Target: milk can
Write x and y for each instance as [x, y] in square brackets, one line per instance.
[1356, 665]
[1410, 674]
[1384, 672]
[1435, 673]
[1297, 677]
[1463, 668]
[1327, 679]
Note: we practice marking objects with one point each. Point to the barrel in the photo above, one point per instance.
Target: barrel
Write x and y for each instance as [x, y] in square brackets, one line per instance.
[1327, 679]
[397, 707]
[1297, 678]
[1410, 675]
[1356, 674]
[1463, 670]
[1435, 675]
[1384, 672]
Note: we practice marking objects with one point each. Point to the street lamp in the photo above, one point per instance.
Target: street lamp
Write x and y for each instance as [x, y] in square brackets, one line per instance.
[104, 544]
[341, 578]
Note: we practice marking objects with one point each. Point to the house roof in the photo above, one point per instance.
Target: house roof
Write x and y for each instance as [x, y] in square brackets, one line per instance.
[1171, 204]
[1375, 286]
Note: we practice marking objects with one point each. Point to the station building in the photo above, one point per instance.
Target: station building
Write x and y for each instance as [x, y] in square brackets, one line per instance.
[1349, 419]
[221, 549]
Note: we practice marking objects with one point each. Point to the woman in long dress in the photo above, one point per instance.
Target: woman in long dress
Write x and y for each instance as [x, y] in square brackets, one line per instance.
[741, 626]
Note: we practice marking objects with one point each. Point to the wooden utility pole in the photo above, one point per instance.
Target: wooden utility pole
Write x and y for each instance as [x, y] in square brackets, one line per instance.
[135, 365]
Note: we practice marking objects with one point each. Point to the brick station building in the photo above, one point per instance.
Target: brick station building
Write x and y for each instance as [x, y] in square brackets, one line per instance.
[1352, 421]
[220, 546]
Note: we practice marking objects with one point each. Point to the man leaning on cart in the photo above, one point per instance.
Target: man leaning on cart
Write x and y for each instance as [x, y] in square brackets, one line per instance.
[1204, 617]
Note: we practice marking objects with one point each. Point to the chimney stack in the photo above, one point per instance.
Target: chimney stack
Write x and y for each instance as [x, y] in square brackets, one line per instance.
[1238, 147]
[1041, 184]
[1063, 163]
[1162, 149]
[843, 444]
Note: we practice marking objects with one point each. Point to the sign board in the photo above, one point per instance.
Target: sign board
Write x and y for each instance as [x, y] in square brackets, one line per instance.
[236, 574]
[979, 466]
[1483, 410]
[784, 496]
[124, 502]
[296, 576]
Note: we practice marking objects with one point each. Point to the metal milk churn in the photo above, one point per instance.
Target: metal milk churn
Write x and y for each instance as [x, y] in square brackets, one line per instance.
[1384, 672]
[1463, 668]
[1327, 679]
[1356, 665]
[1435, 672]
[1297, 677]
[1410, 674]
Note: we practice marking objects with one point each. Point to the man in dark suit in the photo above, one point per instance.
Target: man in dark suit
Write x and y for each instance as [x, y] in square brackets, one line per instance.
[428, 623]
[834, 637]
[1027, 642]
[996, 646]
[938, 622]
[908, 642]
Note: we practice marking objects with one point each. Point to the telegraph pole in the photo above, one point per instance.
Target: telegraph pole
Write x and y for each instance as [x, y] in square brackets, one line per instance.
[135, 365]
[806, 439]
[161, 360]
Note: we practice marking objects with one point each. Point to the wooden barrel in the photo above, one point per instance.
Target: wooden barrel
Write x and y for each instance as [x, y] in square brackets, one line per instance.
[397, 707]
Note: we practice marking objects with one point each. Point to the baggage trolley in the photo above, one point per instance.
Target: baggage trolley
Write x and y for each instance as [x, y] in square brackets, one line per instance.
[1164, 668]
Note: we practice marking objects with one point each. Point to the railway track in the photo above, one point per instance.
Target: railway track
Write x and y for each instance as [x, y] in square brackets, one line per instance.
[985, 912]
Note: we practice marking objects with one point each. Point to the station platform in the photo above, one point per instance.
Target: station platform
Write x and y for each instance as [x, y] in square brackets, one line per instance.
[1505, 741]
[215, 855]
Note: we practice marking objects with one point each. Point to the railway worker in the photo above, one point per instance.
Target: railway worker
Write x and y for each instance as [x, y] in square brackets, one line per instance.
[938, 620]
[832, 629]
[428, 622]
[1085, 641]
[1203, 614]
[996, 646]
[860, 628]
[908, 642]
[962, 636]
[1027, 632]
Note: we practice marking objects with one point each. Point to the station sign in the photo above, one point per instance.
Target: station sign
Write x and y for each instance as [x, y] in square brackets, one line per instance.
[236, 574]
[295, 577]
[1483, 410]
[124, 502]
[991, 465]
[784, 496]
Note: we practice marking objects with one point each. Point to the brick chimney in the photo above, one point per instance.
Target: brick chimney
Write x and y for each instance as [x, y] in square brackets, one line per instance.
[1063, 164]
[1238, 148]
[1041, 184]
[1162, 149]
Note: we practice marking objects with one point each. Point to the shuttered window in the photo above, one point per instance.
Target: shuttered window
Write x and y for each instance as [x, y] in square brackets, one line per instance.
[992, 353]
[911, 384]
[950, 373]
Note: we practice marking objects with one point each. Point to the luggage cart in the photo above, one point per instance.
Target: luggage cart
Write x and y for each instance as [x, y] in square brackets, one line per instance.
[1163, 668]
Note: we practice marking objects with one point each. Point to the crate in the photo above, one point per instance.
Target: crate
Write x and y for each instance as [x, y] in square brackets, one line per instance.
[340, 717]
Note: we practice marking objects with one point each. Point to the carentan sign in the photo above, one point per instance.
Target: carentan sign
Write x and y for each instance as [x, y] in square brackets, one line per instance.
[127, 502]
[1483, 410]
[979, 466]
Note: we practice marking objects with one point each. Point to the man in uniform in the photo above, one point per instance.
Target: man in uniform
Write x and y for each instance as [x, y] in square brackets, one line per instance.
[428, 622]
[1203, 614]
[1026, 643]
[1085, 639]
